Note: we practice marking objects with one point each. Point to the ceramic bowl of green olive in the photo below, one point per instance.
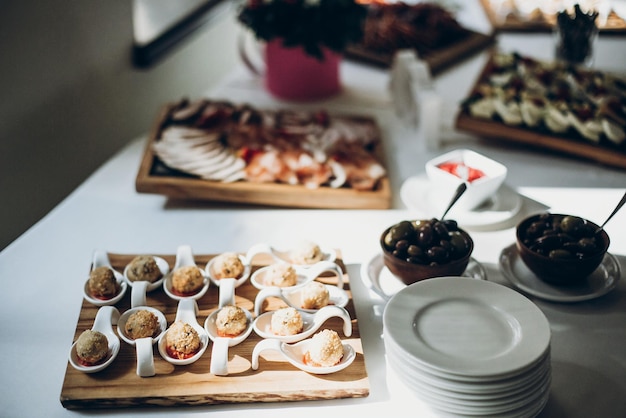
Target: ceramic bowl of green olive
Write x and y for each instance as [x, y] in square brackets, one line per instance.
[415, 250]
[561, 249]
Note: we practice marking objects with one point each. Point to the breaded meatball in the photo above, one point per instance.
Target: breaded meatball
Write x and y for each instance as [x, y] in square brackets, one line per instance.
[325, 349]
[143, 268]
[142, 324]
[306, 252]
[231, 321]
[91, 347]
[286, 321]
[227, 265]
[102, 283]
[281, 275]
[187, 280]
[315, 295]
[182, 340]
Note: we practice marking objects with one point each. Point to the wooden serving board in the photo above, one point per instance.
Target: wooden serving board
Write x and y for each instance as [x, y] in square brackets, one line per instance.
[544, 22]
[438, 60]
[276, 380]
[156, 178]
[565, 144]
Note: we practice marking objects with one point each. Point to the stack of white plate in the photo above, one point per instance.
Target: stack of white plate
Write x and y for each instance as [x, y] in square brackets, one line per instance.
[469, 347]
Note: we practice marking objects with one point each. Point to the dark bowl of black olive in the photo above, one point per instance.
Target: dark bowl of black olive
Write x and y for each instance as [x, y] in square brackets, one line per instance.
[415, 250]
[561, 249]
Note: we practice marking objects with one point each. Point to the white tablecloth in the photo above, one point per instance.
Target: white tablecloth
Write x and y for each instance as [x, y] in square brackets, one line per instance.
[43, 271]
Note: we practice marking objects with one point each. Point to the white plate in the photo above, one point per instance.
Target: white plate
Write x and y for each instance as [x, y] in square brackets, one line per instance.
[377, 277]
[469, 385]
[418, 194]
[485, 405]
[401, 391]
[466, 327]
[599, 283]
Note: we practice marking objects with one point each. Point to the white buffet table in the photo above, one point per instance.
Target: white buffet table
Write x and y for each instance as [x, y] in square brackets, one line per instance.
[43, 271]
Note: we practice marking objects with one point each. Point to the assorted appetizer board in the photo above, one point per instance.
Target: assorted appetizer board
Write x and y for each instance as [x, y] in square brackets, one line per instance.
[573, 110]
[427, 28]
[506, 16]
[221, 151]
[269, 377]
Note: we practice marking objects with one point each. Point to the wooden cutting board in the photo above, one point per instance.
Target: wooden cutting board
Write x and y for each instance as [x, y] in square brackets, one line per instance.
[568, 144]
[276, 380]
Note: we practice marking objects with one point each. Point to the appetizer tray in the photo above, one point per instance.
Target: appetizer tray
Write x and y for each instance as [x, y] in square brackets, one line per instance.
[438, 60]
[542, 22]
[155, 177]
[569, 143]
[276, 380]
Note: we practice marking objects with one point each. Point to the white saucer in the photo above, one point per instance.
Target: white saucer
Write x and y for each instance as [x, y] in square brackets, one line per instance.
[599, 283]
[381, 281]
[418, 194]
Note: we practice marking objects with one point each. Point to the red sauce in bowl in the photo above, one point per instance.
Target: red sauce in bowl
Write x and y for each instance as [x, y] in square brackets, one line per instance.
[462, 171]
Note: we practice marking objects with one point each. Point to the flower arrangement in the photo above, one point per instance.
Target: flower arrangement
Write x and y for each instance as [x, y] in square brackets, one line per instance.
[311, 24]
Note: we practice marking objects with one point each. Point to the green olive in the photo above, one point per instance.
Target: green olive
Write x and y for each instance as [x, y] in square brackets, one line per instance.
[571, 224]
[560, 254]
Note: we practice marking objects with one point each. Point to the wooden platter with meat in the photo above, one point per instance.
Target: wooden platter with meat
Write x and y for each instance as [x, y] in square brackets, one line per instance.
[226, 152]
[429, 29]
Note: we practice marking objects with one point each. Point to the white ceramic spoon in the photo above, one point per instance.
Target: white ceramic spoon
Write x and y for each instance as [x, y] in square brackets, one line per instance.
[219, 352]
[143, 346]
[294, 353]
[184, 257]
[186, 313]
[311, 322]
[100, 259]
[106, 317]
[238, 280]
[263, 248]
[304, 275]
[293, 297]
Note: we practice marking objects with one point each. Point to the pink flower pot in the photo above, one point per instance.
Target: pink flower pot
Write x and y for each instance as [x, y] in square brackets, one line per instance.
[292, 74]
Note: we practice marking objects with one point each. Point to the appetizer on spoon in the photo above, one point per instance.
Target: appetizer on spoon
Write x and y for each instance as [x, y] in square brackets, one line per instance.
[187, 280]
[97, 348]
[105, 286]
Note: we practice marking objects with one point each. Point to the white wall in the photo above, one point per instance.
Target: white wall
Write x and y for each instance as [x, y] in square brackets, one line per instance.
[70, 97]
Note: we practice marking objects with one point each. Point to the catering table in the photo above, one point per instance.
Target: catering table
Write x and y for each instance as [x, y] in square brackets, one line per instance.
[43, 271]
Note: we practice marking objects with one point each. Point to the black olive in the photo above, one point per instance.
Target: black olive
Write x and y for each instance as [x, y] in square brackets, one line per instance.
[460, 243]
[441, 230]
[451, 224]
[548, 242]
[415, 251]
[437, 254]
[425, 236]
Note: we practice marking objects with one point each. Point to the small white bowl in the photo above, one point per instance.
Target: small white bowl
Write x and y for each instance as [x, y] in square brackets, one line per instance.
[479, 190]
